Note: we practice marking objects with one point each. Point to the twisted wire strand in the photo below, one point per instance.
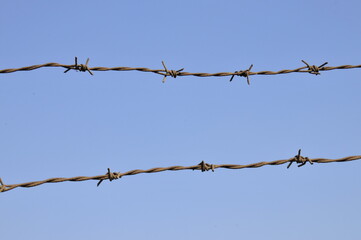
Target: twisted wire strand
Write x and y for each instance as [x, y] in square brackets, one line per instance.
[201, 166]
[165, 72]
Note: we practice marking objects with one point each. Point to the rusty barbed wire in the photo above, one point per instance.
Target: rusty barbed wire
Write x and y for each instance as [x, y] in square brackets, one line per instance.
[201, 166]
[312, 69]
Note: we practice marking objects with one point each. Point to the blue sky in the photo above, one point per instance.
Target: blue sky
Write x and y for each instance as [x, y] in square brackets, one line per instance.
[63, 125]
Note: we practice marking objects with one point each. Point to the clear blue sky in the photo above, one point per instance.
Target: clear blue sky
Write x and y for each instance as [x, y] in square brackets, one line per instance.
[63, 125]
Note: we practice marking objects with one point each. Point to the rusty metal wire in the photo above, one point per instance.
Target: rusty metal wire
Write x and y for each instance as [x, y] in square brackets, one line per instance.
[313, 69]
[201, 166]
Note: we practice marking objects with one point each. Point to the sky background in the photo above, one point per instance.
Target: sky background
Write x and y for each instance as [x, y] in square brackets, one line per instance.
[65, 125]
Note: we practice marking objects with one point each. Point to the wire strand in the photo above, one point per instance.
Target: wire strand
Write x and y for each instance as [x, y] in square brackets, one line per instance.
[174, 73]
[201, 166]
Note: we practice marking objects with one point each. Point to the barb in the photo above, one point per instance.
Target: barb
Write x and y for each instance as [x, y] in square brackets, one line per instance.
[2, 186]
[299, 159]
[81, 67]
[165, 72]
[205, 167]
[171, 73]
[201, 166]
[244, 73]
[314, 69]
[111, 176]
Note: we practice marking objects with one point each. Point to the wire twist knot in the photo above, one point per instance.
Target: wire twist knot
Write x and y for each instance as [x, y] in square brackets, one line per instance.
[205, 166]
[300, 159]
[111, 176]
[172, 73]
[243, 73]
[81, 67]
[314, 69]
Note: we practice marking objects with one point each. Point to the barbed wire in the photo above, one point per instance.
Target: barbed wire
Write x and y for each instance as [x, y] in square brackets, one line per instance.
[201, 166]
[313, 69]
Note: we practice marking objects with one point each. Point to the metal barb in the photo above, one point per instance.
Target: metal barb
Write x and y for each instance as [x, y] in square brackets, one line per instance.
[2, 186]
[81, 67]
[314, 69]
[243, 73]
[300, 159]
[111, 176]
[206, 167]
[172, 73]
